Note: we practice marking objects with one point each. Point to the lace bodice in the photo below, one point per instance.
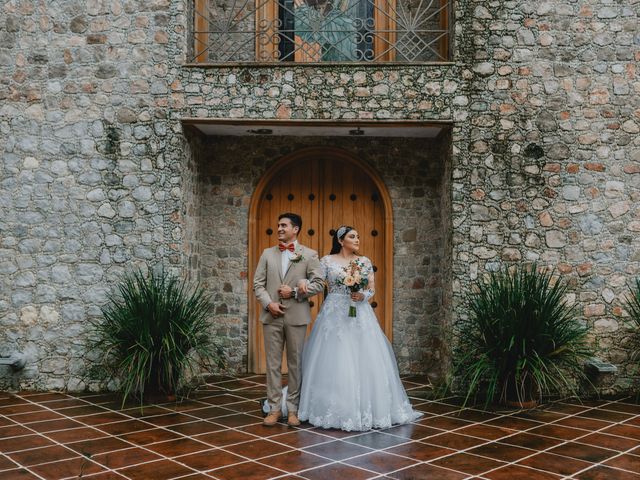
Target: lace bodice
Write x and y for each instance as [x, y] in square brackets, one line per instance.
[334, 272]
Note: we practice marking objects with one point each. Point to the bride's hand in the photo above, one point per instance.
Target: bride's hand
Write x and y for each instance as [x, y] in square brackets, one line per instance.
[303, 287]
[357, 296]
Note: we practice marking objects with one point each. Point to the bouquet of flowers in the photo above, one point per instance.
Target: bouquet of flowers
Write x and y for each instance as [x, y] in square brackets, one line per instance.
[355, 278]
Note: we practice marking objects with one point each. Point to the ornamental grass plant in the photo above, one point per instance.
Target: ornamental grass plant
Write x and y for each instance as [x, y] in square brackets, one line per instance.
[521, 339]
[155, 332]
[632, 304]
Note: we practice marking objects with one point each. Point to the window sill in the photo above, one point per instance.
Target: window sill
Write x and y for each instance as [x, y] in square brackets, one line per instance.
[317, 64]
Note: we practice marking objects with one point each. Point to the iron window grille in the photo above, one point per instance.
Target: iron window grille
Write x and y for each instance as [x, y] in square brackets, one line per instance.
[318, 31]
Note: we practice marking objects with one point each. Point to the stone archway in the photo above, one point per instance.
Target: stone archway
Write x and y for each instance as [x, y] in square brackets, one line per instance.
[327, 187]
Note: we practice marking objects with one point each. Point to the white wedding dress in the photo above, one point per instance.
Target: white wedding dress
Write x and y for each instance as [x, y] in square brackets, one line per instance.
[350, 377]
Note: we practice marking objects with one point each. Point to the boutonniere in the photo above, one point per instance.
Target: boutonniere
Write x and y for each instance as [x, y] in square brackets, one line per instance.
[296, 256]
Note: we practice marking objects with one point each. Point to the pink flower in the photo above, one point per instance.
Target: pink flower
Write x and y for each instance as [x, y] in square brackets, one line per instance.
[349, 281]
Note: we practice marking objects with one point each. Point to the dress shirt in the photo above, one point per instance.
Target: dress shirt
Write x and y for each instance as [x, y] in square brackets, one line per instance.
[286, 259]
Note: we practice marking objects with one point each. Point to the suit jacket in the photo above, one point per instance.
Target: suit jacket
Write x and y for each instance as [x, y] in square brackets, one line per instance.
[269, 277]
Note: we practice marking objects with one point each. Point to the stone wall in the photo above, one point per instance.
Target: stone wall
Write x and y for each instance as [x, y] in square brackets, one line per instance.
[546, 153]
[88, 183]
[97, 175]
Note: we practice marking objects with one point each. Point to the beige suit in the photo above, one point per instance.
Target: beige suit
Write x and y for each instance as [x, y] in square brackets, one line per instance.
[289, 329]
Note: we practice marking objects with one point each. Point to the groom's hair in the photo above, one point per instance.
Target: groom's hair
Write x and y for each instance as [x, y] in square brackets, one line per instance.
[296, 220]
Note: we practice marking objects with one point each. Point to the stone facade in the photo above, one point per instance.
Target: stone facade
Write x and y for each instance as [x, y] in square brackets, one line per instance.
[542, 164]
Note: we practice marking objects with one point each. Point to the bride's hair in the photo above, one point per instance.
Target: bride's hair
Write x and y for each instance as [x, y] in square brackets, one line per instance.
[339, 235]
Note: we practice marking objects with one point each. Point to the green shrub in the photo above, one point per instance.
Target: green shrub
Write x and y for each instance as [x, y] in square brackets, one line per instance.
[632, 304]
[521, 339]
[155, 330]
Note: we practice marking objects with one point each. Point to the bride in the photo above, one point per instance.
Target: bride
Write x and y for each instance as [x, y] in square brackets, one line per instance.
[350, 378]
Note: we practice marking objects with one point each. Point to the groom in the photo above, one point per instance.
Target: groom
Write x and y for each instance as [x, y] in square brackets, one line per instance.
[285, 311]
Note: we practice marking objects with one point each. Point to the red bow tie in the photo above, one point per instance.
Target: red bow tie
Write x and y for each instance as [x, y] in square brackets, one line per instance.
[291, 247]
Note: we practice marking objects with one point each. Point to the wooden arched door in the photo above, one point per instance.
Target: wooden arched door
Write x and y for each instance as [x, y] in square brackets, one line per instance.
[327, 188]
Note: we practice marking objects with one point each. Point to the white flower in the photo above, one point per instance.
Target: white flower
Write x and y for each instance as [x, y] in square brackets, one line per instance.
[296, 257]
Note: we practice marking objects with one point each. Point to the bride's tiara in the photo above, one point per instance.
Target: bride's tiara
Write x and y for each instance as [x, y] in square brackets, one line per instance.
[341, 231]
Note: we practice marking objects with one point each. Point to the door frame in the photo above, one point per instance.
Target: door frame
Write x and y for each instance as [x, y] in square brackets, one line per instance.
[253, 256]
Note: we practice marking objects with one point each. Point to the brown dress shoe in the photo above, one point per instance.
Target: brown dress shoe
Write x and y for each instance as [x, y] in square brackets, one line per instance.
[272, 418]
[292, 420]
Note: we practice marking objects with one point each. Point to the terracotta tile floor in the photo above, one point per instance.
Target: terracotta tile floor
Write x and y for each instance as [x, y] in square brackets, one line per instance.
[217, 433]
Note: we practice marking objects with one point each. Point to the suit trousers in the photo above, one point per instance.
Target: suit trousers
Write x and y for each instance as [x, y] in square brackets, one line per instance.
[276, 336]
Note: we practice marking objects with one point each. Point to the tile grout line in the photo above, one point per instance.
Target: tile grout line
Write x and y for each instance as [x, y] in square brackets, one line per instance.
[17, 465]
[107, 409]
[489, 441]
[565, 442]
[80, 454]
[238, 392]
[175, 459]
[408, 441]
[109, 435]
[331, 461]
[28, 468]
[619, 453]
[465, 450]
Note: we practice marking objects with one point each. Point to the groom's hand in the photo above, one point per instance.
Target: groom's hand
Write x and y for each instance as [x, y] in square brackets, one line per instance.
[303, 286]
[285, 291]
[276, 309]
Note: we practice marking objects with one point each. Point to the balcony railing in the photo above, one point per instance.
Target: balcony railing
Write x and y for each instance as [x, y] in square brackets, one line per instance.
[314, 31]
